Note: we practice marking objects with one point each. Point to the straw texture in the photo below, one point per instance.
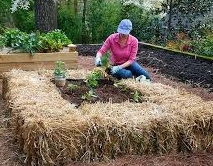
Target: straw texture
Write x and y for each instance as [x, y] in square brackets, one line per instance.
[51, 131]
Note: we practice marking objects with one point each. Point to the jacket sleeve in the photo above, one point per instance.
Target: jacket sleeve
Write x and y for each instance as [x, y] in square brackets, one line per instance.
[106, 46]
[134, 50]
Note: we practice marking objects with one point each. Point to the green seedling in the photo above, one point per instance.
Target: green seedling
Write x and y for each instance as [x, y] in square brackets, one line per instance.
[60, 69]
[92, 83]
[72, 87]
[92, 79]
[136, 97]
[105, 60]
[89, 95]
[121, 86]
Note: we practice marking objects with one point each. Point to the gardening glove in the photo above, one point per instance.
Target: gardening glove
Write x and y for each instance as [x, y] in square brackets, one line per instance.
[142, 78]
[98, 61]
[115, 69]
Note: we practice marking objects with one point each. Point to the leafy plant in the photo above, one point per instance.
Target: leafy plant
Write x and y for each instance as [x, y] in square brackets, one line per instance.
[72, 87]
[14, 38]
[53, 41]
[60, 69]
[89, 95]
[92, 83]
[136, 96]
[92, 79]
[31, 44]
[35, 42]
[105, 59]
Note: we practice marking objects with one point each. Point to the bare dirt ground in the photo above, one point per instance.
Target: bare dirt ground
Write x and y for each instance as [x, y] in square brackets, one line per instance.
[10, 155]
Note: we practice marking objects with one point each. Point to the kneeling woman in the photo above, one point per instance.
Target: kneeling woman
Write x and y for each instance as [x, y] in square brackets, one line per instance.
[123, 47]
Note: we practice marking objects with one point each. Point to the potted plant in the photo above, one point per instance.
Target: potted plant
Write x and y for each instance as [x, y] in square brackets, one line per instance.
[60, 74]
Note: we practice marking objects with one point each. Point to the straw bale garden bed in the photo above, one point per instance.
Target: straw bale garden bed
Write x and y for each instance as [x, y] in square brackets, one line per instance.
[51, 130]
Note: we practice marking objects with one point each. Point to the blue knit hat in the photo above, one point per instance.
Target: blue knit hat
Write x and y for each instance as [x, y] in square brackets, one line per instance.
[125, 27]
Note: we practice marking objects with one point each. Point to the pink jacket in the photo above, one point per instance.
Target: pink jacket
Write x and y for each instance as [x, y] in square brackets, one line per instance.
[120, 55]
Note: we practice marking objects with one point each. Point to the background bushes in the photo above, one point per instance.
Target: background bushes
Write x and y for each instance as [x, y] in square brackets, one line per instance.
[91, 21]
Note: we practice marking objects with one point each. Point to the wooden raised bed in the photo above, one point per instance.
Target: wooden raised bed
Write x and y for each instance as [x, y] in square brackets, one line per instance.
[24, 61]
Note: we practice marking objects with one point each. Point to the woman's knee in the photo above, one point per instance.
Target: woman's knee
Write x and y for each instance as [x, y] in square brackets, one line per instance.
[124, 74]
[128, 74]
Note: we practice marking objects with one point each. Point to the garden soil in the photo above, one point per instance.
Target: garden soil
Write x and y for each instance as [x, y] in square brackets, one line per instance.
[161, 70]
[185, 68]
[77, 92]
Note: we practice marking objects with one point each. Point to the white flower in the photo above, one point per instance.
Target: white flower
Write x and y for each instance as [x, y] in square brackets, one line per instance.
[22, 4]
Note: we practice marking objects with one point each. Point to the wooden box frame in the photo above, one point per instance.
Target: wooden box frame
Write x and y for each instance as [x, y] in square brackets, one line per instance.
[37, 61]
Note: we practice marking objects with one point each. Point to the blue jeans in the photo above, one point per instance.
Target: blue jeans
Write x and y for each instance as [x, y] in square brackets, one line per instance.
[133, 70]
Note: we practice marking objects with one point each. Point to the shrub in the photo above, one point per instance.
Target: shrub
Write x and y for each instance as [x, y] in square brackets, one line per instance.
[14, 38]
[24, 20]
[70, 24]
[53, 41]
[204, 46]
[102, 22]
[181, 42]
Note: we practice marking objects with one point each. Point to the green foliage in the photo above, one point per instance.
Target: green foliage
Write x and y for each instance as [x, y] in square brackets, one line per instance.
[20, 40]
[102, 21]
[2, 41]
[35, 42]
[145, 24]
[137, 97]
[70, 24]
[5, 13]
[24, 20]
[105, 60]
[181, 42]
[60, 69]
[190, 13]
[14, 38]
[188, 6]
[53, 41]
[92, 83]
[92, 79]
[72, 87]
[59, 37]
[31, 43]
[89, 95]
[204, 46]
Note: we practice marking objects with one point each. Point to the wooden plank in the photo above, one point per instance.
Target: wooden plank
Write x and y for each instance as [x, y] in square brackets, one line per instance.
[70, 64]
[178, 51]
[38, 57]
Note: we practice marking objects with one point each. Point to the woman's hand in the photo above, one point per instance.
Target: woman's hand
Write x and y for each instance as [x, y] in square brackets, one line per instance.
[98, 61]
[115, 69]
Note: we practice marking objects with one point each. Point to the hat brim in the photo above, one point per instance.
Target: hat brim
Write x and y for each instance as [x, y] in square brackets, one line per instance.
[123, 31]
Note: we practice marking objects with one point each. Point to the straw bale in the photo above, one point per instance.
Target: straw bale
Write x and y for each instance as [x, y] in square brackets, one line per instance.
[50, 130]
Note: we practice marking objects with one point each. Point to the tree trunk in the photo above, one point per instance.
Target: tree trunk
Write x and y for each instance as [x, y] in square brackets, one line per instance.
[84, 22]
[170, 16]
[75, 6]
[46, 12]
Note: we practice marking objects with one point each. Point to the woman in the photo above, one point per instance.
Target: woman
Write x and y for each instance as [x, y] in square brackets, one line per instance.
[123, 47]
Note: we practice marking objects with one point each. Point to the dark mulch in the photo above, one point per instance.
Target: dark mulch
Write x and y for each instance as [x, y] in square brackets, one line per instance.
[185, 68]
[105, 92]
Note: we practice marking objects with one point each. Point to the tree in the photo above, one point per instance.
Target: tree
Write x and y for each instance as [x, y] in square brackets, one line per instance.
[186, 11]
[84, 31]
[45, 13]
